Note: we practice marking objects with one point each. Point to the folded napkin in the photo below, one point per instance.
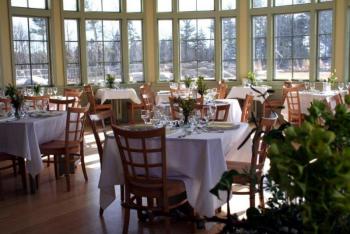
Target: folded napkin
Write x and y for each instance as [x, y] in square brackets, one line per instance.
[43, 114]
[222, 126]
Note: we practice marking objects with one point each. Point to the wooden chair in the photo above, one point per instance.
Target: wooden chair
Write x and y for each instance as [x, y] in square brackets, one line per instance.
[73, 93]
[148, 101]
[174, 108]
[222, 90]
[252, 172]
[6, 104]
[95, 107]
[247, 106]
[222, 112]
[99, 125]
[62, 104]
[295, 117]
[14, 161]
[72, 145]
[133, 107]
[38, 102]
[145, 174]
[335, 100]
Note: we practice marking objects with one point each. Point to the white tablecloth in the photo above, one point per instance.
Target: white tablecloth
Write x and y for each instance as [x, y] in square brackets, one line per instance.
[129, 93]
[199, 160]
[241, 92]
[235, 112]
[23, 137]
[306, 98]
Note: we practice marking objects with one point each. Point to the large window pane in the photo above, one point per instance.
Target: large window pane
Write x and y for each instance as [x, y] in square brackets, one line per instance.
[229, 53]
[290, 2]
[325, 44]
[196, 5]
[103, 50]
[228, 4]
[102, 5]
[259, 3]
[259, 49]
[165, 36]
[72, 50]
[292, 46]
[197, 48]
[39, 4]
[70, 5]
[31, 53]
[164, 5]
[133, 6]
[135, 51]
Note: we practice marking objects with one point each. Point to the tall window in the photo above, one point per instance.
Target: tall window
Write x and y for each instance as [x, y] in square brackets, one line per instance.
[259, 46]
[103, 49]
[229, 53]
[31, 50]
[259, 3]
[196, 5]
[102, 5]
[197, 48]
[325, 44]
[72, 50]
[292, 46]
[135, 50]
[39, 4]
[165, 36]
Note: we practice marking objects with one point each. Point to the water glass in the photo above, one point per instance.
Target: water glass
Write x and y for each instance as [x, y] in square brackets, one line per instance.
[307, 85]
[30, 91]
[340, 86]
[54, 89]
[42, 91]
[312, 86]
[49, 91]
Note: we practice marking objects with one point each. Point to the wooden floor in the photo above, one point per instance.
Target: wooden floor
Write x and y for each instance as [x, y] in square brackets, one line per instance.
[53, 210]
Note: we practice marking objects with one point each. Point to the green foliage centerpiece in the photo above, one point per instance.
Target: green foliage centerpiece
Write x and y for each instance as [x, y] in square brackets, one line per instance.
[187, 105]
[37, 89]
[16, 97]
[252, 78]
[332, 79]
[188, 81]
[201, 86]
[110, 81]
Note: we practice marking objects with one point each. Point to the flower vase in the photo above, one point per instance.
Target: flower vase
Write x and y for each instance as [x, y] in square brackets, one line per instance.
[17, 113]
[185, 119]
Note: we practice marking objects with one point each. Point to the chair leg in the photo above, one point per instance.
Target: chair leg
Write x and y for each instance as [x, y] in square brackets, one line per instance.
[66, 170]
[252, 195]
[56, 161]
[139, 211]
[126, 220]
[122, 193]
[22, 170]
[1, 191]
[82, 159]
[167, 224]
[261, 193]
[14, 166]
[48, 161]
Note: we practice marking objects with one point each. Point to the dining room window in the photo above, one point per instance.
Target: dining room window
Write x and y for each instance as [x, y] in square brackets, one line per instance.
[324, 44]
[31, 50]
[197, 48]
[35, 4]
[290, 2]
[70, 5]
[292, 46]
[259, 3]
[72, 51]
[103, 49]
[229, 49]
[165, 43]
[101, 5]
[259, 46]
[135, 41]
[196, 5]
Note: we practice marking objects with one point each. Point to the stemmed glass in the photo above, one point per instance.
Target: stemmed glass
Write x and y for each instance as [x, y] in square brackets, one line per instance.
[54, 89]
[312, 86]
[30, 91]
[212, 110]
[49, 91]
[145, 115]
[307, 85]
[42, 91]
[340, 86]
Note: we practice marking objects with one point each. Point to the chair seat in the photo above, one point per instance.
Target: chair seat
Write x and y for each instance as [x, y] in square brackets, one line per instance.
[5, 157]
[58, 147]
[240, 167]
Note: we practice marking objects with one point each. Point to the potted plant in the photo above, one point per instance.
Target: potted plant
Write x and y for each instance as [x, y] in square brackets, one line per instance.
[187, 105]
[110, 81]
[37, 89]
[201, 86]
[16, 97]
[332, 80]
[188, 81]
[252, 78]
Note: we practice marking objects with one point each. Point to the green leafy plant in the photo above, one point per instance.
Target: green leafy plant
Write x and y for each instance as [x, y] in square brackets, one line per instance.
[201, 85]
[187, 105]
[37, 89]
[188, 81]
[16, 97]
[110, 81]
[332, 79]
[252, 78]
[311, 166]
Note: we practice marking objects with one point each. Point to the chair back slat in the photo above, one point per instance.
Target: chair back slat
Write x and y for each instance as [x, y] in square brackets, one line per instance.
[293, 104]
[38, 101]
[222, 112]
[62, 104]
[91, 98]
[222, 90]
[73, 93]
[247, 108]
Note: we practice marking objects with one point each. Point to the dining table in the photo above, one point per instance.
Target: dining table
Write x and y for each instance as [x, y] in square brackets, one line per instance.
[240, 92]
[117, 94]
[198, 159]
[22, 137]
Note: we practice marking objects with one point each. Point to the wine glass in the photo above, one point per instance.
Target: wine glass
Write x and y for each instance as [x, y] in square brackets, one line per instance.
[307, 85]
[312, 86]
[49, 91]
[54, 89]
[145, 115]
[30, 91]
[212, 110]
[340, 86]
[42, 91]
